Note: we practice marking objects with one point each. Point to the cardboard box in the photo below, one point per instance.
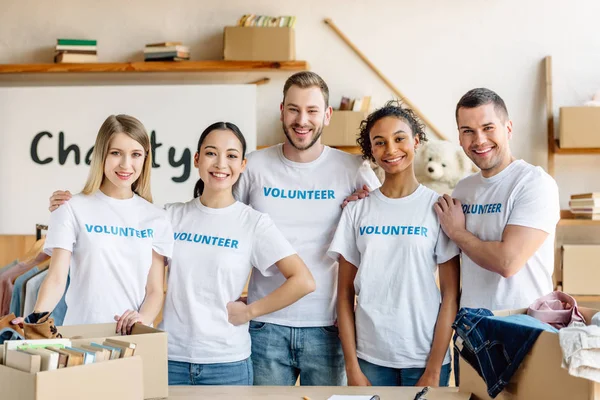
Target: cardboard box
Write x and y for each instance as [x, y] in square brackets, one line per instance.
[253, 43]
[579, 127]
[343, 128]
[151, 346]
[116, 380]
[581, 269]
[540, 375]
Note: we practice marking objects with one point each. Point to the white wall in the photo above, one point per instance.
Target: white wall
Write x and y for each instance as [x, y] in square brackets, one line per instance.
[433, 50]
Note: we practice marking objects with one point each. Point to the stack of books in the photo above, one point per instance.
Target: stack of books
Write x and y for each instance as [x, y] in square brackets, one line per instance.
[76, 51]
[166, 51]
[362, 104]
[267, 21]
[34, 356]
[586, 205]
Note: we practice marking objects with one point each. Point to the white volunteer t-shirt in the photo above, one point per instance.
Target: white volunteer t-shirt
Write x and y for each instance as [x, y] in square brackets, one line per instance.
[304, 200]
[111, 242]
[397, 245]
[521, 194]
[215, 250]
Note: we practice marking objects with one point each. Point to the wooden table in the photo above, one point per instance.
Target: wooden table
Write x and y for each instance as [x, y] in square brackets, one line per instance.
[312, 392]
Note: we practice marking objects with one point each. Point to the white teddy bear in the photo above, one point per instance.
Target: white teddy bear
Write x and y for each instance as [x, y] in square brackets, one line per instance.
[440, 164]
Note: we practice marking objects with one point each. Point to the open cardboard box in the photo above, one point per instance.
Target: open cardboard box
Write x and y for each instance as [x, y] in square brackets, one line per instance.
[151, 347]
[116, 380]
[540, 375]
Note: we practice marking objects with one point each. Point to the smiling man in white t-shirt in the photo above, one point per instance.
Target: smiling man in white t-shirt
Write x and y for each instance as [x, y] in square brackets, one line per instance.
[504, 217]
[301, 184]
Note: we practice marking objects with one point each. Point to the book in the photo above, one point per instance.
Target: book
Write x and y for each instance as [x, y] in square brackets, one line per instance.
[49, 358]
[166, 59]
[345, 104]
[127, 349]
[115, 352]
[357, 105]
[166, 54]
[366, 104]
[101, 354]
[75, 357]
[23, 361]
[89, 357]
[595, 195]
[164, 44]
[593, 217]
[166, 49]
[77, 48]
[57, 52]
[77, 42]
[75, 58]
[37, 343]
[585, 202]
[585, 210]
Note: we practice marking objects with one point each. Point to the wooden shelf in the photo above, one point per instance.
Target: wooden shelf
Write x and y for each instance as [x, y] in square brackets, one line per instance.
[567, 219]
[574, 151]
[158, 66]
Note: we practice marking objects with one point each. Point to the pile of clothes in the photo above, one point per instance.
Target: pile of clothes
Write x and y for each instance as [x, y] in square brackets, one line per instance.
[495, 346]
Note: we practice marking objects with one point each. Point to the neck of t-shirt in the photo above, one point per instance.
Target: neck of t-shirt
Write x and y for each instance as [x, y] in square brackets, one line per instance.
[304, 164]
[116, 193]
[500, 174]
[114, 200]
[217, 199]
[302, 156]
[497, 170]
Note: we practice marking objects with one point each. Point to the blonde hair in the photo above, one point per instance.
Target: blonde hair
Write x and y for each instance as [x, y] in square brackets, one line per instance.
[305, 80]
[133, 128]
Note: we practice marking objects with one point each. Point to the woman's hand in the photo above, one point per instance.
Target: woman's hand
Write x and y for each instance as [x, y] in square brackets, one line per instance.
[126, 321]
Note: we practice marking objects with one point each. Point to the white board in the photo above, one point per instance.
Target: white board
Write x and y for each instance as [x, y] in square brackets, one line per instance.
[176, 115]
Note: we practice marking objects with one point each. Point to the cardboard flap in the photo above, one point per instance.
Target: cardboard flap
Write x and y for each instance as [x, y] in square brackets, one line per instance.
[15, 384]
[124, 376]
[100, 330]
[506, 313]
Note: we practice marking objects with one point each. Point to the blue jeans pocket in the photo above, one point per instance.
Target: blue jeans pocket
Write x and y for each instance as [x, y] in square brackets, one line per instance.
[256, 325]
[330, 330]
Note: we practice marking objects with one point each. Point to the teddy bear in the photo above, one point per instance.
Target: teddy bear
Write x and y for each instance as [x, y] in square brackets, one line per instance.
[440, 164]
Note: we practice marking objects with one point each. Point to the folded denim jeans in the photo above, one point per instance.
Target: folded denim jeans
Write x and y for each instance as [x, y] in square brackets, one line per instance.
[495, 346]
[9, 331]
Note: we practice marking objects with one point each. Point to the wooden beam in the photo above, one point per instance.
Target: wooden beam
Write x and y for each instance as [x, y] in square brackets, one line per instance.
[389, 83]
[550, 116]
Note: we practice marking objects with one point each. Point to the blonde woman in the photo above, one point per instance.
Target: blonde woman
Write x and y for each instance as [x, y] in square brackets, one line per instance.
[110, 237]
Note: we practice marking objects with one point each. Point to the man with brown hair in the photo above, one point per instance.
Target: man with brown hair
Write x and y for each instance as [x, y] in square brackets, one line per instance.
[301, 184]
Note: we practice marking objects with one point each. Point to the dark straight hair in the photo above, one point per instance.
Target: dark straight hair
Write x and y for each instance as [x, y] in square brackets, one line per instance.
[199, 188]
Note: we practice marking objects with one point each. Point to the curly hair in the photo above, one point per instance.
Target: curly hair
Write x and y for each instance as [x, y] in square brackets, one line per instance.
[393, 108]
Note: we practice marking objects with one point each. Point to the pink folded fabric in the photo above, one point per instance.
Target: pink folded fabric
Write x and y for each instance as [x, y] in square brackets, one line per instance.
[557, 309]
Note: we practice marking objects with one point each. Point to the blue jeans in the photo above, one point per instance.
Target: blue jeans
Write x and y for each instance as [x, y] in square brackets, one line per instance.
[495, 346]
[385, 376]
[281, 353]
[233, 373]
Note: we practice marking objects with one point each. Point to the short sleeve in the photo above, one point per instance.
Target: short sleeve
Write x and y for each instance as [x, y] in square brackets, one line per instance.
[445, 249]
[62, 231]
[536, 205]
[366, 176]
[344, 239]
[241, 189]
[269, 246]
[162, 240]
